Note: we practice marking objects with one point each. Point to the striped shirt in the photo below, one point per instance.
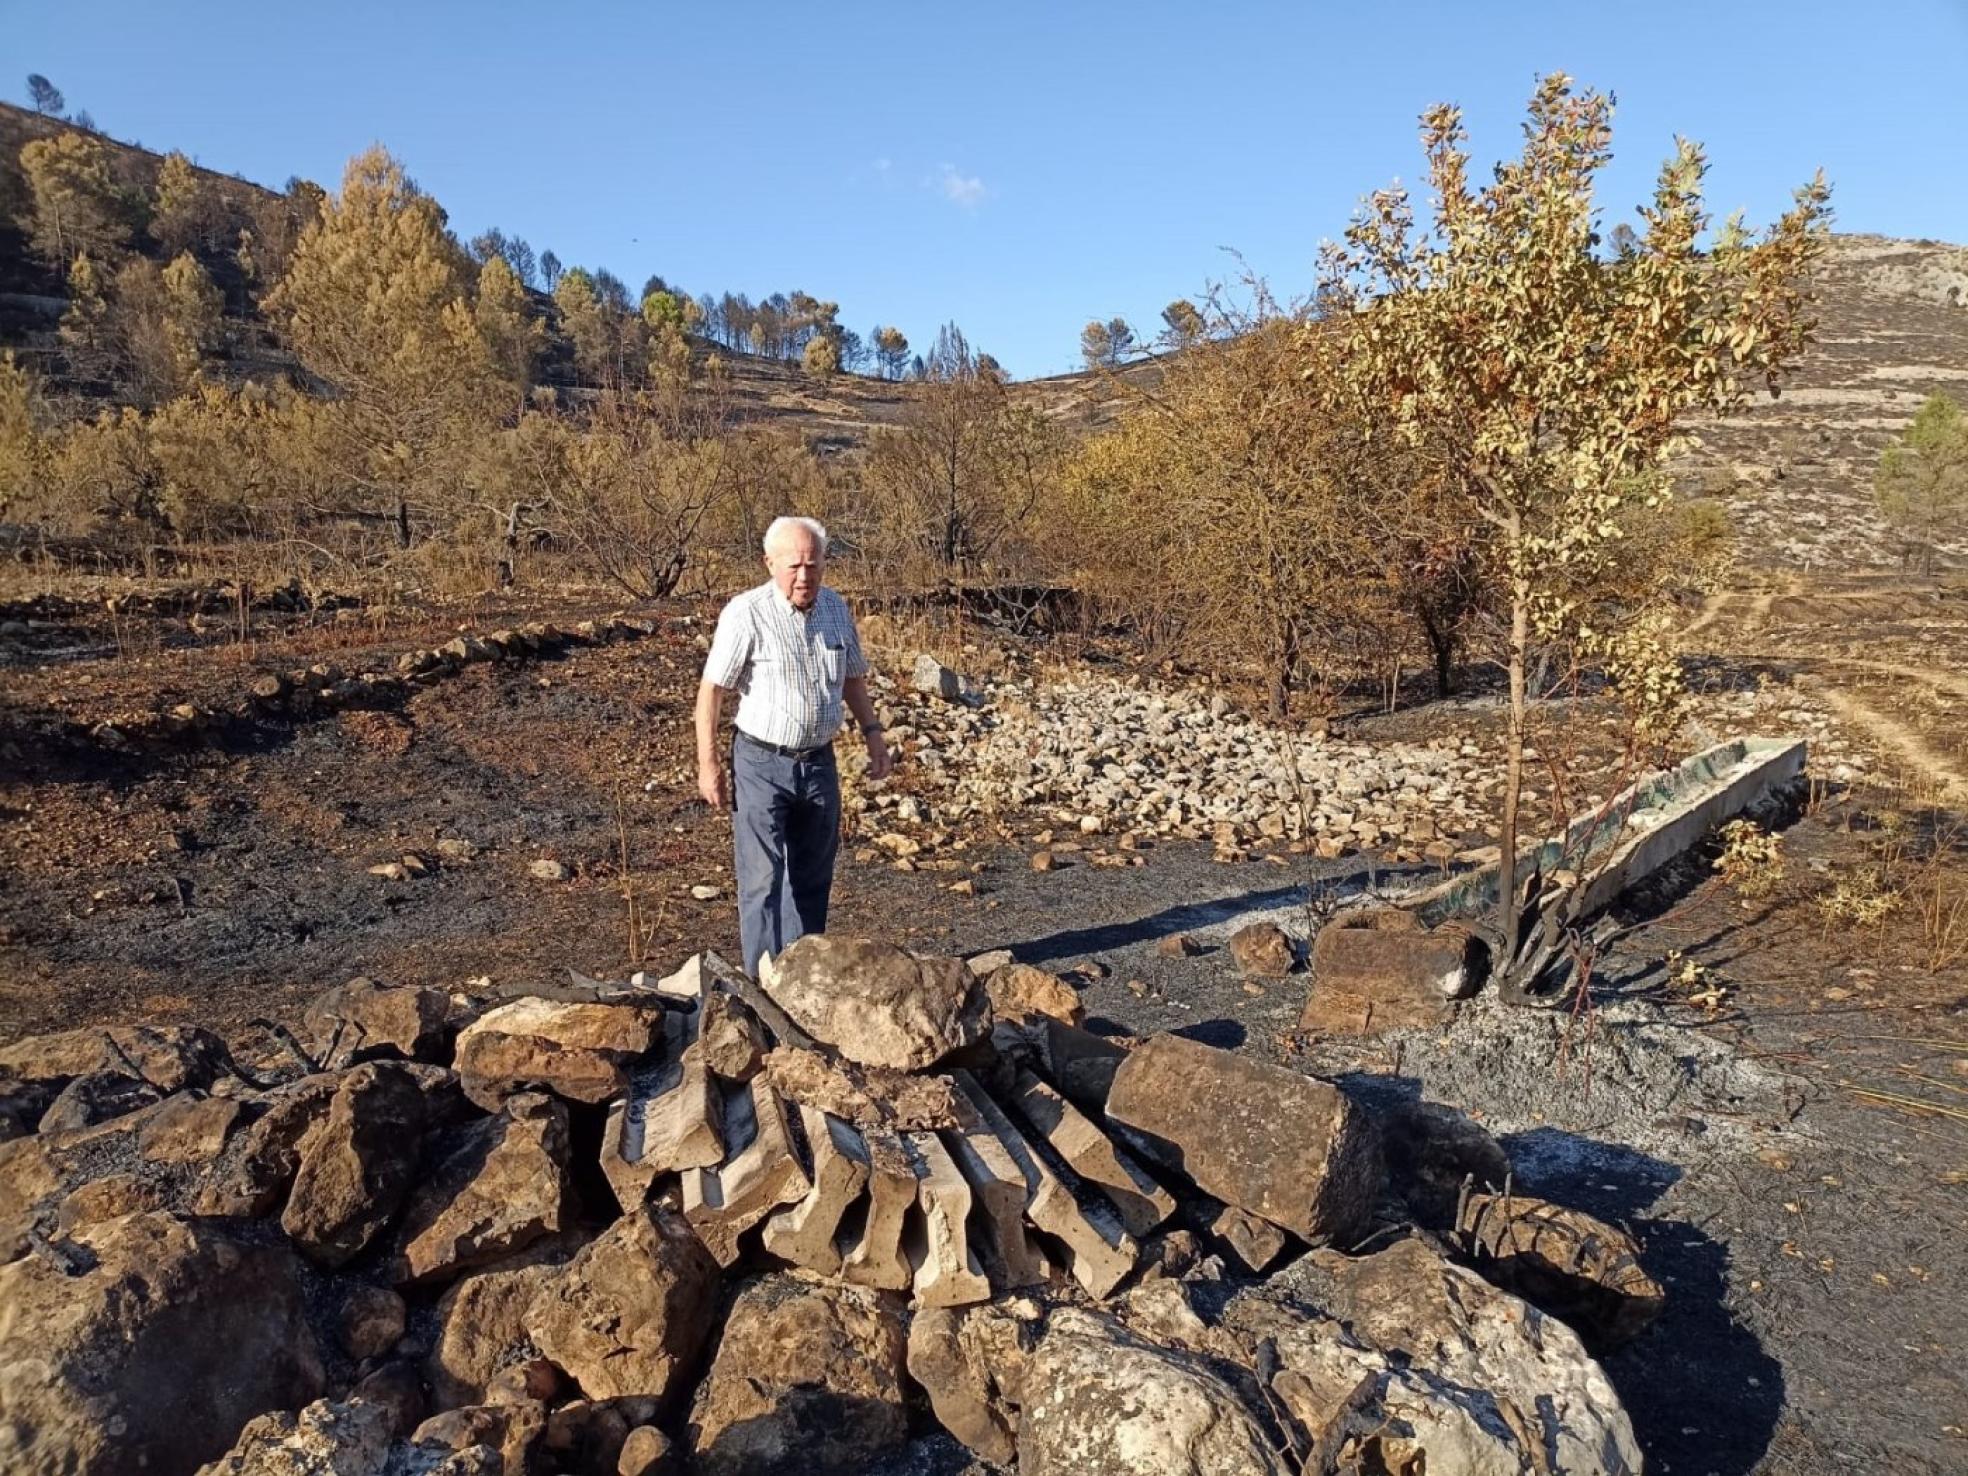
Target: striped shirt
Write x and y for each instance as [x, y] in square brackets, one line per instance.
[787, 666]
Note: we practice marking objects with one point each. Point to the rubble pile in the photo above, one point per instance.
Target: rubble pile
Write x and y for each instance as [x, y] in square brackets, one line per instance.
[1173, 763]
[731, 1225]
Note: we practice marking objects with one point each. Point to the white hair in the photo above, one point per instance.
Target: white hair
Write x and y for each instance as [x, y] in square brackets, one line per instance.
[782, 525]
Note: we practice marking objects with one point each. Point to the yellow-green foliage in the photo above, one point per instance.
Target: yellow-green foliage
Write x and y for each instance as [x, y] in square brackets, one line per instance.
[77, 205]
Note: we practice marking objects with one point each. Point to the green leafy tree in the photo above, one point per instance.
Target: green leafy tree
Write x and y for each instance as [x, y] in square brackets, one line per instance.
[584, 322]
[1922, 482]
[77, 205]
[1544, 381]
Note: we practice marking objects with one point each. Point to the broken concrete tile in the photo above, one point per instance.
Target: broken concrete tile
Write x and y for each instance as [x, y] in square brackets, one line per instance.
[948, 1273]
[759, 1173]
[804, 1234]
[1143, 1204]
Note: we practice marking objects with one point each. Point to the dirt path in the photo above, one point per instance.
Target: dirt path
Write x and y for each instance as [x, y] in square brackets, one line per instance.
[1902, 741]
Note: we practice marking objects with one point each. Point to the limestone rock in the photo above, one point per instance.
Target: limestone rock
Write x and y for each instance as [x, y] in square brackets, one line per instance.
[1405, 1359]
[357, 1165]
[328, 1438]
[481, 1328]
[260, 1165]
[646, 1452]
[370, 1322]
[629, 1315]
[1018, 990]
[582, 1052]
[876, 1004]
[169, 1057]
[98, 1369]
[188, 1129]
[498, 1185]
[1095, 1397]
[1263, 949]
[730, 1040]
[931, 676]
[363, 1020]
[107, 1198]
[1282, 1145]
[806, 1377]
[515, 1431]
[99, 1097]
[967, 1359]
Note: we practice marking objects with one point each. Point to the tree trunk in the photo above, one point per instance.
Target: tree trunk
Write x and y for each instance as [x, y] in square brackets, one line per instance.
[1441, 645]
[1284, 657]
[1513, 777]
[402, 523]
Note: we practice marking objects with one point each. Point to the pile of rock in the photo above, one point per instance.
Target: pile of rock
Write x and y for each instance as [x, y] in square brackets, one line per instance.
[326, 688]
[610, 1228]
[1173, 762]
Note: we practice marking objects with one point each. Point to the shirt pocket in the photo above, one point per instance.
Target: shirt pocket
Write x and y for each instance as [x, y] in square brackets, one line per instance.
[833, 664]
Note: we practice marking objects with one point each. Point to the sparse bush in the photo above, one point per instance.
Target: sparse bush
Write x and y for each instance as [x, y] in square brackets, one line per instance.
[1751, 860]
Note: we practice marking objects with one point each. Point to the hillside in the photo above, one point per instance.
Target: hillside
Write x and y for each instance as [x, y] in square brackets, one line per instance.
[1795, 473]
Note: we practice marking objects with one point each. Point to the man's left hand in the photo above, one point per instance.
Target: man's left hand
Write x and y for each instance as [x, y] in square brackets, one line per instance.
[880, 765]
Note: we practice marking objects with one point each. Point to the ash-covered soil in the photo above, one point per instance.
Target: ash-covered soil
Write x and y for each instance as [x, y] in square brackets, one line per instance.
[1809, 1236]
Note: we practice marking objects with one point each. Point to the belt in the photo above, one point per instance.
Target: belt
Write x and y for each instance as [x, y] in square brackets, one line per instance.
[781, 749]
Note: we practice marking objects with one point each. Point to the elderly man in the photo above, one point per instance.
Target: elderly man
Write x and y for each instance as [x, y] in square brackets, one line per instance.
[790, 652]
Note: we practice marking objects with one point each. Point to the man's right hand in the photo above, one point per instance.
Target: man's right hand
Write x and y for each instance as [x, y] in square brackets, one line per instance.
[714, 785]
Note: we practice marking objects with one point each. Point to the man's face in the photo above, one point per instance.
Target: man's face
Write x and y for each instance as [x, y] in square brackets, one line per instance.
[796, 565]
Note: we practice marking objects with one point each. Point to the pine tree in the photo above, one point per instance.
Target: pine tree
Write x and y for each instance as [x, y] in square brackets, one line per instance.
[373, 302]
[186, 214]
[1923, 480]
[820, 358]
[77, 206]
[505, 318]
[85, 327]
[193, 316]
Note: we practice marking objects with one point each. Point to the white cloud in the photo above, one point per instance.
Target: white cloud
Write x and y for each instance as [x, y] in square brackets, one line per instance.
[966, 190]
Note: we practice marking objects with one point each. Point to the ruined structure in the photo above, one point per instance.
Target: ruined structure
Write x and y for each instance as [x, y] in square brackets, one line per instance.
[730, 1225]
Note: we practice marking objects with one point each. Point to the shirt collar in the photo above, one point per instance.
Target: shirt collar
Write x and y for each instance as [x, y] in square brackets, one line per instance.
[788, 606]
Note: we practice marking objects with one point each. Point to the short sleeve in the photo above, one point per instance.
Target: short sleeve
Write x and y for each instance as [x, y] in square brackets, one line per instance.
[857, 664]
[731, 647]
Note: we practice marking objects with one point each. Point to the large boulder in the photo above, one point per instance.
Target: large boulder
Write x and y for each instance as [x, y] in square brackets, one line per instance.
[579, 1051]
[168, 1057]
[629, 1315]
[1280, 1144]
[876, 1004]
[497, 1185]
[328, 1438]
[807, 1377]
[1401, 1360]
[482, 1327]
[1095, 1397]
[365, 1021]
[257, 1171]
[357, 1166]
[171, 1336]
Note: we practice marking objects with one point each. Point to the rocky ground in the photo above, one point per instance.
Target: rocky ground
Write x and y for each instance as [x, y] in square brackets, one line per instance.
[1799, 1226]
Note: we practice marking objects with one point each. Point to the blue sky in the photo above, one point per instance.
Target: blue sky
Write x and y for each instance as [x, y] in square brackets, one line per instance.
[1015, 167]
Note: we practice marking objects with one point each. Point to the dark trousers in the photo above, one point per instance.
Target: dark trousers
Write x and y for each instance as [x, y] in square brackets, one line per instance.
[786, 825]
